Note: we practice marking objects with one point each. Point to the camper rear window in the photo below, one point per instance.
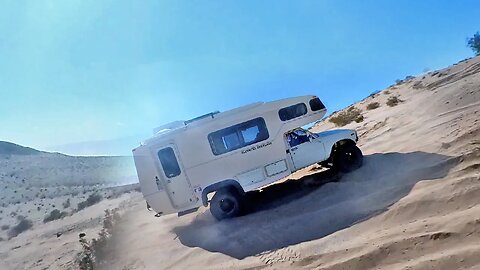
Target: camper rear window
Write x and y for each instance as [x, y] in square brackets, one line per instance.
[316, 104]
[238, 136]
[169, 162]
[293, 111]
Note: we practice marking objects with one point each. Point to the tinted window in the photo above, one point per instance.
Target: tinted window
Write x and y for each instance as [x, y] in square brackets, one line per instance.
[238, 136]
[169, 162]
[316, 104]
[293, 111]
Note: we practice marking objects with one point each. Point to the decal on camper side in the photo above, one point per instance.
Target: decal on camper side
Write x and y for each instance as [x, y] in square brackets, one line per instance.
[256, 147]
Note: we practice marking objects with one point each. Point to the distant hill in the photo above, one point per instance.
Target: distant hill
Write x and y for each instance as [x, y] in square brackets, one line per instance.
[8, 148]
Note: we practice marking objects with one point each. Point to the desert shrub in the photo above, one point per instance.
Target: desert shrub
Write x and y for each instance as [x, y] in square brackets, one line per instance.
[66, 204]
[91, 200]
[373, 106]
[474, 43]
[409, 77]
[417, 85]
[93, 251]
[346, 117]
[393, 101]
[22, 226]
[386, 92]
[5, 227]
[359, 119]
[54, 215]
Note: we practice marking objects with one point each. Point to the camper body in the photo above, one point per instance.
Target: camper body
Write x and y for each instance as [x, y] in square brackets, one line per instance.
[233, 152]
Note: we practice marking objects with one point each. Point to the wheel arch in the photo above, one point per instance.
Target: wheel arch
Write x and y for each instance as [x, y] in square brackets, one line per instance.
[340, 143]
[229, 183]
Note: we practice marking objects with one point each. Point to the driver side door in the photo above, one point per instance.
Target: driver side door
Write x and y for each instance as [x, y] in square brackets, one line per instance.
[306, 151]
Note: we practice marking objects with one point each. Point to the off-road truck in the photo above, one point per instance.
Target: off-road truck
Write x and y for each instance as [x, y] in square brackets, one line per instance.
[229, 153]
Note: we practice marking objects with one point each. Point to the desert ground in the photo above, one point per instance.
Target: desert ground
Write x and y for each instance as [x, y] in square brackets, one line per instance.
[35, 183]
[415, 203]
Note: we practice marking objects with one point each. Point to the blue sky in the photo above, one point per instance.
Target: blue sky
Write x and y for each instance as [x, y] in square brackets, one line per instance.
[95, 77]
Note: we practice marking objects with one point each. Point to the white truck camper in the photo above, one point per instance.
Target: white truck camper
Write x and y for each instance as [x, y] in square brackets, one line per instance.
[229, 153]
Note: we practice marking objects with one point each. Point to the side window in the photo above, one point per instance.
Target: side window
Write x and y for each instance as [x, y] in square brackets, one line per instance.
[293, 111]
[169, 162]
[297, 137]
[238, 136]
[316, 104]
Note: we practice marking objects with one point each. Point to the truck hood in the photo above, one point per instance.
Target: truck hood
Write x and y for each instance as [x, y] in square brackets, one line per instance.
[335, 132]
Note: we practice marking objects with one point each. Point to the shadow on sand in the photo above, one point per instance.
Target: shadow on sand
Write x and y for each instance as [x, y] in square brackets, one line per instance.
[313, 206]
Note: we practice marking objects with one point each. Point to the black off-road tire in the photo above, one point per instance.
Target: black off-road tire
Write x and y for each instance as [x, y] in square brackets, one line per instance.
[347, 158]
[226, 203]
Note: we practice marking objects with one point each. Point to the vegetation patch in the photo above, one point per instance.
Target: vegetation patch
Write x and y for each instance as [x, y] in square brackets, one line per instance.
[474, 43]
[393, 101]
[417, 85]
[346, 117]
[66, 203]
[93, 251]
[22, 226]
[54, 215]
[373, 106]
[91, 200]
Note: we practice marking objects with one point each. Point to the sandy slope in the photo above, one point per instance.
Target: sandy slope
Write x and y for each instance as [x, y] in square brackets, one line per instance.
[413, 205]
[34, 183]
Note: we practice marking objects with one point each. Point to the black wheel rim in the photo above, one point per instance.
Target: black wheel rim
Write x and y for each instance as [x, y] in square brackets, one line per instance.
[227, 205]
[349, 158]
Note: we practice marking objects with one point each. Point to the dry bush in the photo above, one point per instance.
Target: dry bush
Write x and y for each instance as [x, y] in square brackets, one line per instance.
[66, 204]
[92, 250]
[373, 106]
[393, 101]
[346, 117]
[54, 215]
[386, 92]
[417, 85]
[22, 226]
[91, 200]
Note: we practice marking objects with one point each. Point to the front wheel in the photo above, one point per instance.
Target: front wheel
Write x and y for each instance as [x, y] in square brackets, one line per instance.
[347, 158]
[226, 203]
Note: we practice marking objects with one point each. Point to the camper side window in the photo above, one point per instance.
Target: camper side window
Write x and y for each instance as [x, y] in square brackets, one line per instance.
[169, 162]
[316, 104]
[238, 136]
[293, 111]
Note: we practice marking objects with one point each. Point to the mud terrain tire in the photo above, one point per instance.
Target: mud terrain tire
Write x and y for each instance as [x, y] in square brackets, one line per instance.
[347, 158]
[226, 203]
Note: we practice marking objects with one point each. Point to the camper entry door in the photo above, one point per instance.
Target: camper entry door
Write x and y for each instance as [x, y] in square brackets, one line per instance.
[175, 179]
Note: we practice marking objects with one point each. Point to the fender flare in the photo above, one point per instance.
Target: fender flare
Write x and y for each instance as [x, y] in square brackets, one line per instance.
[219, 185]
[339, 144]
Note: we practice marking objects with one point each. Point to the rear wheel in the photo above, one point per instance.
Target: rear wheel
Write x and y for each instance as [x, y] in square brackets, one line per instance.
[226, 203]
[347, 158]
